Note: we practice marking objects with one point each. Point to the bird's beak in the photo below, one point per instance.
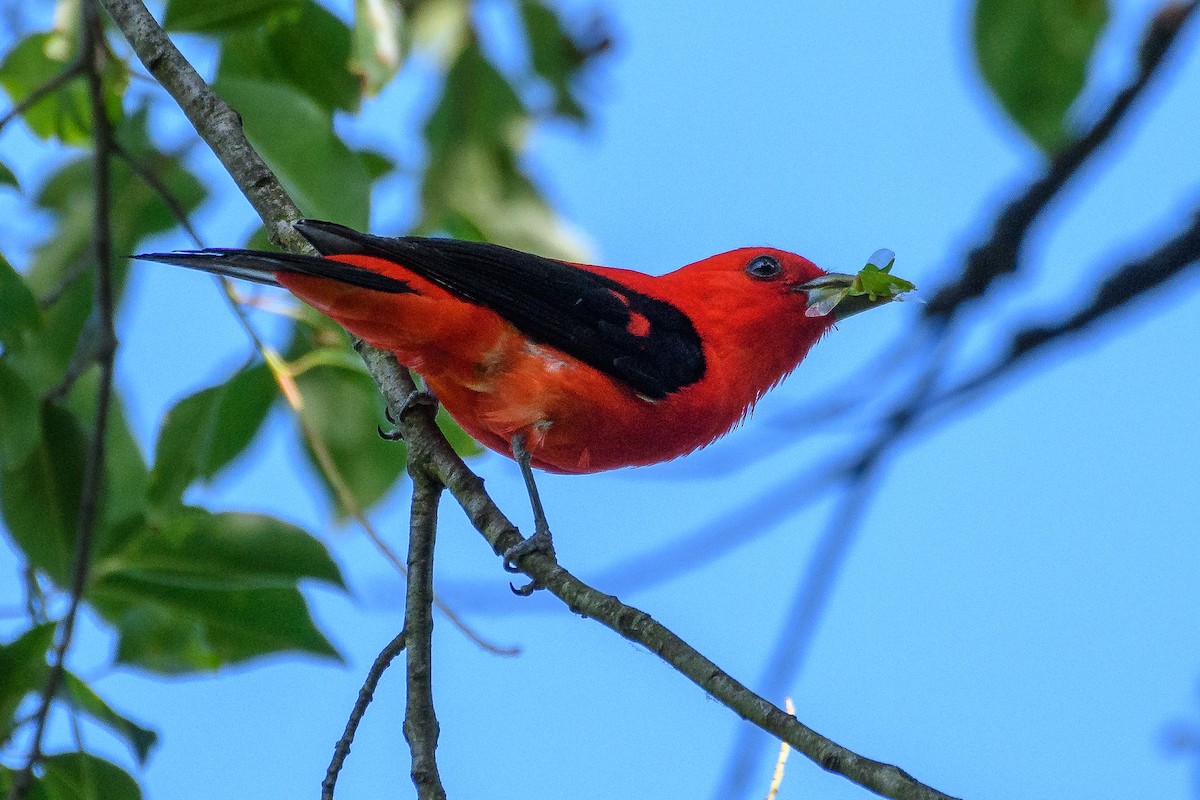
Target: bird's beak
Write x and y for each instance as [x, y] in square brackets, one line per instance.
[830, 295]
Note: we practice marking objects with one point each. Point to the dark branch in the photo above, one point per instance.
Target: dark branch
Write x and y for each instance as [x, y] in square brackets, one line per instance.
[365, 695]
[93, 52]
[1000, 255]
[420, 720]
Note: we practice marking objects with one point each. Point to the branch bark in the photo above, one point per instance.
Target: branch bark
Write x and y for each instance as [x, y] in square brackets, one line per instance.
[420, 720]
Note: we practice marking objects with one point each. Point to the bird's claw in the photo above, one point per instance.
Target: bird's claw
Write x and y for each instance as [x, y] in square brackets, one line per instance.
[417, 398]
[540, 542]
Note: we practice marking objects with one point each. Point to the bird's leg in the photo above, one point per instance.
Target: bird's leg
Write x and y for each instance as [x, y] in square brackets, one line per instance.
[542, 541]
[418, 397]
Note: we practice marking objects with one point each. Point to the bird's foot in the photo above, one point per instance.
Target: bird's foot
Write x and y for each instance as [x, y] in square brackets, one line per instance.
[415, 399]
[542, 542]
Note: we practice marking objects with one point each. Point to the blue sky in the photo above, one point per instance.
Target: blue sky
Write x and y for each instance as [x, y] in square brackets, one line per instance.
[1018, 615]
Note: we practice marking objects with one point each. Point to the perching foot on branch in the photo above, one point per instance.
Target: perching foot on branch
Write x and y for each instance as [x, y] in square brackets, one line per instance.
[542, 541]
[421, 397]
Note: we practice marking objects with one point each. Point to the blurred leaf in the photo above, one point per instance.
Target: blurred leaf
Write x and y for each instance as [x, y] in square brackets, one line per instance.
[40, 497]
[221, 16]
[83, 776]
[378, 45]
[8, 178]
[201, 590]
[376, 164]
[36, 790]
[343, 408]
[80, 695]
[64, 113]
[22, 670]
[474, 183]
[19, 419]
[554, 55]
[459, 439]
[303, 47]
[204, 432]
[478, 106]
[297, 139]
[227, 551]
[1034, 55]
[60, 270]
[18, 307]
[126, 476]
[440, 26]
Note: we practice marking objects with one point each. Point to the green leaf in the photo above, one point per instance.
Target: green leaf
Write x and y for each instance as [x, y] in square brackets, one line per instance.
[18, 307]
[206, 431]
[378, 44]
[555, 56]
[474, 180]
[60, 271]
[202, 590]
[343, 409]
[64, 113]
[8, 177]
[376, 164]
[221, 16]
[310, 36]
[459, 439]
[123, 492]
[296, 137]
[22, 670]
[228, 551]
[83, 776]
[83, 698]
[20, 427]
[478, 105]
[303, 47]
[1034, 55]
[40, 497]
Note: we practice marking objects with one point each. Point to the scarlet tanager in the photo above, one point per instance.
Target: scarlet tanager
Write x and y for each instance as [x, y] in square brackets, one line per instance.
[568, 367]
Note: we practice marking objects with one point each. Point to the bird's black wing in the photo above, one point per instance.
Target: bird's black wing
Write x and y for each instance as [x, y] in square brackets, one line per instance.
[588, 316]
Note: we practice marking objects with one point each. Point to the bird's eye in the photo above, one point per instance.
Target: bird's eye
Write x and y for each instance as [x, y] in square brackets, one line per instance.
[764, 268]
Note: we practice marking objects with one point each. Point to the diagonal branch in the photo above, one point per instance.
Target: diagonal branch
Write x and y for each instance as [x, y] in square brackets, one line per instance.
[631, 623]
[365, 695]
[1000, 254]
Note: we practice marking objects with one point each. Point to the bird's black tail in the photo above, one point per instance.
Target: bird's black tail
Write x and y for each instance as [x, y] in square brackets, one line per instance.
[261, 266]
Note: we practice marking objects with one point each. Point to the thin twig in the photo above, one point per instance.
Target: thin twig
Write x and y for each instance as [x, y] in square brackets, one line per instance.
[92, 50]
[365, 695]
[218, 124]
[1001, 253]
[420, 719]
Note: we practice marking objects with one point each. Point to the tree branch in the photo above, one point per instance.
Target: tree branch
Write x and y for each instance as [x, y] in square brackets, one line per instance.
[420, 720]
[91, 46]
[633, 624]
[365, 695]
[1000, 254]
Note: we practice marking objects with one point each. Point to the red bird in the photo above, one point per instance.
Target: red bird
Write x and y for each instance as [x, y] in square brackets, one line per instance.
[568, 367]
